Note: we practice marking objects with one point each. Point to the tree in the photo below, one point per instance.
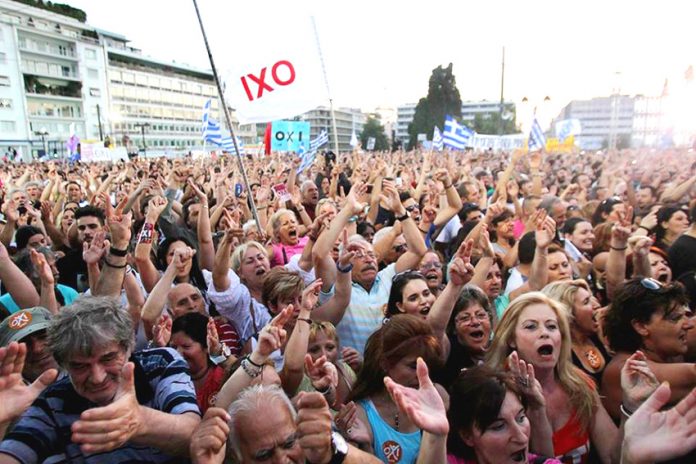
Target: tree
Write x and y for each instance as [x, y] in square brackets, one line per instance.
[443, 98]
[489, 123]
[374, 128]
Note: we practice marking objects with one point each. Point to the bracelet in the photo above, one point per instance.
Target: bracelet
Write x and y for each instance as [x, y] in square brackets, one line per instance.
[313, 238]
[344, 270]
[404, 217]
[117, 252]
[252, 372]
[448, 186]
[352, 219]
[625, 411]
[248, 358]
[618, 248]
[644, 228]
[324, 391]
[106, 261]
[305, 319]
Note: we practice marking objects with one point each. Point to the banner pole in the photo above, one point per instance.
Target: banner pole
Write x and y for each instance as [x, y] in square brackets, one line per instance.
[228, 119]
[328, 90]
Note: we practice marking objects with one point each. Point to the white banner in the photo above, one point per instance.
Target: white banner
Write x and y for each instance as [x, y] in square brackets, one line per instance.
[269, 63]
[495, 142]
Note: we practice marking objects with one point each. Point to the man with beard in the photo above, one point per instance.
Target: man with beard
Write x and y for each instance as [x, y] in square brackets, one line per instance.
[72, 268]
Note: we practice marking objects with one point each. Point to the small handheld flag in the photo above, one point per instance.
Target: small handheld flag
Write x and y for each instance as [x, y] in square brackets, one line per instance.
[537, 140]
[438, 143]
[455, 135]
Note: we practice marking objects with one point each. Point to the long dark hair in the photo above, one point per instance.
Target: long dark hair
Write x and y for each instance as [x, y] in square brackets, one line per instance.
[397, 289]
[195, 275]
[195, 326]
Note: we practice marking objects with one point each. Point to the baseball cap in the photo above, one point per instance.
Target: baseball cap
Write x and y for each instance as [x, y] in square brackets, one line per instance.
[24, 323]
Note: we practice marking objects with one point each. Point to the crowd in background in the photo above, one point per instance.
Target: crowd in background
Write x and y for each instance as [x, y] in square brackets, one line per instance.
[403, 307]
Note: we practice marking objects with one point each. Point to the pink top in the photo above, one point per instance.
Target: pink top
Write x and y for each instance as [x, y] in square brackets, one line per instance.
[283, 253]
[531, 459]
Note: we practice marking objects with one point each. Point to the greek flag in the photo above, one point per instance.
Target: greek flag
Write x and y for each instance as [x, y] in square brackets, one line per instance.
[212, 133]
[307, 158]
[455, 135]
[438, 143]
[568, 127]
[537, 140]
[321, 140]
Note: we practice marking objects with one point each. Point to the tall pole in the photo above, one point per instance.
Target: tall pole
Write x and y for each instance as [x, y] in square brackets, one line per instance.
[328, 91]
[228, 119]
[502, 100]
[101, 132]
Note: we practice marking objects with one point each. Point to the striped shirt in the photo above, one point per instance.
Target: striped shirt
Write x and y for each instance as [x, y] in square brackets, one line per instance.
[162, 382]
[364, 314]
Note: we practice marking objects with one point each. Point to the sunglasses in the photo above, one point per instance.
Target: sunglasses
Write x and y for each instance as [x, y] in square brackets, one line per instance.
[412, 208]
[651, 284]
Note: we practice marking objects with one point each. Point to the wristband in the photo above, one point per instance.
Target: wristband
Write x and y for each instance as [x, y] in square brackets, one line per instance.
[344, 270]
[117, 252]
[251, 369]
[619, 248]
[625, 411]
[305, 319]
[146, 233]
[248, 358]
[106, 261]
[403, 217]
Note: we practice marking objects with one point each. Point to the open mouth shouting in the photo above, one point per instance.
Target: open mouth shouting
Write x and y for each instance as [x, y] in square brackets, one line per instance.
[545, 351]
[519, 456]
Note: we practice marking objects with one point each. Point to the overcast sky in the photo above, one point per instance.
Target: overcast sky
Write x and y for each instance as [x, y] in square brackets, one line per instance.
[381, 52]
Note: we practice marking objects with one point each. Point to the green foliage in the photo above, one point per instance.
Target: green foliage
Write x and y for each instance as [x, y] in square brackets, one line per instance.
[59, 8]
[374, 128]
[443, 98]
[489, 123]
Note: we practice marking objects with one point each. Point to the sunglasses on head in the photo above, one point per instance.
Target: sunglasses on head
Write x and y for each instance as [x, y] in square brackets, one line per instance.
[651, 284]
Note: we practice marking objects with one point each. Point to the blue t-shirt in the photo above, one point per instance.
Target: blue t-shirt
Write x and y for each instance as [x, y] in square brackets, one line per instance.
[43, 432]
[69, 295]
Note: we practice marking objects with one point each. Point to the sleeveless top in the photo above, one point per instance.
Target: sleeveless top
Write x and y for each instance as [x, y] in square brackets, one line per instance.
[571, 443]
[391, 446]
[283, 253]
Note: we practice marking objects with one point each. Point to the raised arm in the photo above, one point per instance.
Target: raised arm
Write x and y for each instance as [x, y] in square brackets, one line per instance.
[148, 271]
[674, 194]
[545, 231]
[616, 263]
[111, 276]
[454, 202]
[16, 282]
[334, 309]
[205, 235]
[413, 236]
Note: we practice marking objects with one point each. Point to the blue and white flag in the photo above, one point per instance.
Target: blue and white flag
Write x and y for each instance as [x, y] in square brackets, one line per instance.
[455, 135]
[307, 158]
[213, 133]
[537, 140]
[321, 140]
[568, 127]
[438, 143]
[353, 139]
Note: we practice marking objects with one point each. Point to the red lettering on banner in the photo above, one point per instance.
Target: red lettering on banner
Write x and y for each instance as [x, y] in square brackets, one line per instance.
[261, 79]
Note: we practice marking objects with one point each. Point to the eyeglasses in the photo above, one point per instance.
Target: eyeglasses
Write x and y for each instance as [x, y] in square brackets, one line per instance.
[412, 208]
[365, 254]
[427, 266]
[266, 454]
[467, 319]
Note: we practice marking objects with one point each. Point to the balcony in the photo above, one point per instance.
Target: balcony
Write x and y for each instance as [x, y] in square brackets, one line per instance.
[45, 49]
[62, 73]
[35, 86]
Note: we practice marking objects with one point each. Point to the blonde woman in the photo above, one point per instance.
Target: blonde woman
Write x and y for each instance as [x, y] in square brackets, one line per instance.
[588, 351]
[537, 328]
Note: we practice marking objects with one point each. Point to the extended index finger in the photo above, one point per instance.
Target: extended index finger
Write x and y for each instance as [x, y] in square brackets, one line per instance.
[121, 206]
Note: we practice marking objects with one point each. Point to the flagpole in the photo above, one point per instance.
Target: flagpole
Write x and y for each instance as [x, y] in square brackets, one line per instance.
[228, 119]
[328, 90]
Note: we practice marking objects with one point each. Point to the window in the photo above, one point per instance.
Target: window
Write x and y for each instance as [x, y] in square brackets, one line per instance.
[3, 58]
[5, 103]
[4, 81]
[7, 126]
[94, 92]
[92, 73]
[90, 53]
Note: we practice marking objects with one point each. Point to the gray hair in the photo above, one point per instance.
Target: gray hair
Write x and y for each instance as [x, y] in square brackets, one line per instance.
[548, 202]
[15, 190]
[90, 322]
[275, 218]
[249, 225]
[306, 184]
[356, 238]
[381, 233]
[240, 251]
[247, 406]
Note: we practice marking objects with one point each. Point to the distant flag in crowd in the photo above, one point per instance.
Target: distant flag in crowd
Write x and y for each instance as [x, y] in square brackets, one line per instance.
[213, 133]
[307, 158]
[321, 140]
[568, 127]
[438, 143]
[353, 139]
[455, 135]
[537, 140]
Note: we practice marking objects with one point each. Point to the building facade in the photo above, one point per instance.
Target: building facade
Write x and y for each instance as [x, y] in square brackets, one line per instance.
[347, 121]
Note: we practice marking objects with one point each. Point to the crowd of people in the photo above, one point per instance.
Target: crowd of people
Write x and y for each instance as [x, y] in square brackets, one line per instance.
[403, 307]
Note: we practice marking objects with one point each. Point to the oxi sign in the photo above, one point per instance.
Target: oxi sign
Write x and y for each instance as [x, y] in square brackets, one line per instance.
[289, 135]
[287, 78]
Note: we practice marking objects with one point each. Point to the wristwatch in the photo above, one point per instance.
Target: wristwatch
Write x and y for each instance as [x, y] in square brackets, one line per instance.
[339, 447]
[222, 357]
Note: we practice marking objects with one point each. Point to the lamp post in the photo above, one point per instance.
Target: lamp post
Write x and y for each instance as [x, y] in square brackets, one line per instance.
[43, 133]
[142, 127]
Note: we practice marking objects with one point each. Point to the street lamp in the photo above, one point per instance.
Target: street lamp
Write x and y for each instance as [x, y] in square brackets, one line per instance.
[43, 133]
[142, 127]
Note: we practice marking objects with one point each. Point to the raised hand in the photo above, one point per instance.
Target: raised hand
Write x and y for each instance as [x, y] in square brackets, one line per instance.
[354, 198]
[423, 406]
[15, 395]
[460, 268]
[390, 198]
[209, 437]
[162, 331]
[638, 382]
[213, 339]
[109, 427]
[525, 378]
[352, 357]
[155, 207]
[42, 267]
[350, 425]
[94, 251]
[321, 372]
[202, 197]
[310, 295]
[120, 226]
[652, 435]
[314, 427]
[545, 230]
[273, 336]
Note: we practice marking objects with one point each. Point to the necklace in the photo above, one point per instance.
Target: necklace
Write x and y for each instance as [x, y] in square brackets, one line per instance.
[396, 420]
[594, 357]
